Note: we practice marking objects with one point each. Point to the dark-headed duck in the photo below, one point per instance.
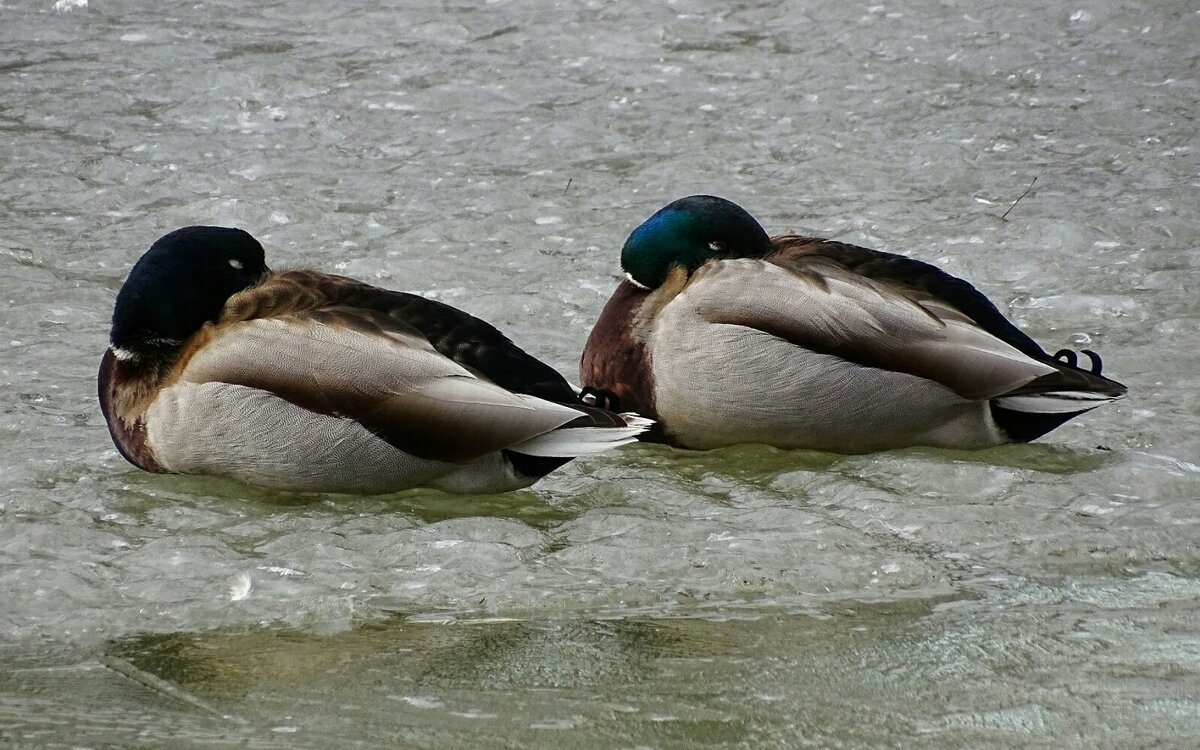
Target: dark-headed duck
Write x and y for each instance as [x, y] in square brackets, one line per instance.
[306, 381]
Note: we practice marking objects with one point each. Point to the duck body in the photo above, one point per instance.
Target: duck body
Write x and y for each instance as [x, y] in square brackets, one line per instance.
[312, 382]
[801, 342]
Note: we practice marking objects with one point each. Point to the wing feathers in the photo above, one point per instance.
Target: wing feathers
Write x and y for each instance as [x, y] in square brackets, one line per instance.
[951, 294]
[392, 382]
[581, 441]
[827, 309]
[459, 336]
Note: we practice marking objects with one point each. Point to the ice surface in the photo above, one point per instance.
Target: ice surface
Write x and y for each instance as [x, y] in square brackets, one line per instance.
[496, 157]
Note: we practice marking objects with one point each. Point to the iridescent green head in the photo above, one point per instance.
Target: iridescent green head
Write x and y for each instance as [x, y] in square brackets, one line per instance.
[688, 233]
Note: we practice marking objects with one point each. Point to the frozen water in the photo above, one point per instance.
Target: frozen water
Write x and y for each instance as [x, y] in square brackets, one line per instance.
[495, 156]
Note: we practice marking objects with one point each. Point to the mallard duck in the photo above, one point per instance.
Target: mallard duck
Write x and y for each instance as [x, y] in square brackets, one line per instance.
[306, 381]
[724, 335]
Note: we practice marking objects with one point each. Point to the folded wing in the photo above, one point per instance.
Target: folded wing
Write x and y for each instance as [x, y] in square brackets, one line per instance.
[816, 302]
[361, 365]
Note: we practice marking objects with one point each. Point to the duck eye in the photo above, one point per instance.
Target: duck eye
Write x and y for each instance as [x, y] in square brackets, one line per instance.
[235, 263]
[716, 246]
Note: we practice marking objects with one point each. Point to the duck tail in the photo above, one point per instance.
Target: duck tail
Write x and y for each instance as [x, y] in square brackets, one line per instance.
[1056, 402]
[1040, 406]
[595, 432]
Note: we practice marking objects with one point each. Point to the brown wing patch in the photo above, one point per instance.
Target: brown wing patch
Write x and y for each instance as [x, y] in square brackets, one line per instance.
[287, 293]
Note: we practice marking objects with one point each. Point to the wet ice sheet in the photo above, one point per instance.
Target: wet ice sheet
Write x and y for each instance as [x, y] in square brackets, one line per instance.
[495, 157]
[666, 530]
[1048, 668]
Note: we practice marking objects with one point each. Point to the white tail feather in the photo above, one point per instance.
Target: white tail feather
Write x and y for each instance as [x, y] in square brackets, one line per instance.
[581, 441]
[1056, 402]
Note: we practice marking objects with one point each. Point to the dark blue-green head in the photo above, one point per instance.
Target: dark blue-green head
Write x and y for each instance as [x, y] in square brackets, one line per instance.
[688, 233]
[181, 283]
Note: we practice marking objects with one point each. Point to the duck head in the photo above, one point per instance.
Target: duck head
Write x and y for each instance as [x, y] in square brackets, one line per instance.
[688, 233]
[181, 283]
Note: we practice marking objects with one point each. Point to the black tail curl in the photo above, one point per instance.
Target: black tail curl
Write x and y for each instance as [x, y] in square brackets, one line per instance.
[1070, 358]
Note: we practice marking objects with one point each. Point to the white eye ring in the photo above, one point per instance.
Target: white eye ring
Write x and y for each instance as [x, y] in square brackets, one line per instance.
[235, 263]
[716, 246]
